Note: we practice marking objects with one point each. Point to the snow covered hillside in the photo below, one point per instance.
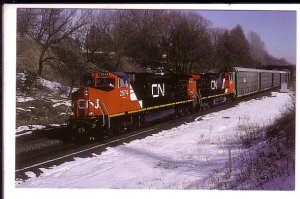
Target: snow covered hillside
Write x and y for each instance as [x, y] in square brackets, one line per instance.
[46, 105]
[190, 156]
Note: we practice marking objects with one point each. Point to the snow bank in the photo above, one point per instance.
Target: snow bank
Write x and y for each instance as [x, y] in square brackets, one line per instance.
[21, 76]
[22, 109]
[60, 102]
[24, 99]
[180, 158]
[52, 85]
[29, 128]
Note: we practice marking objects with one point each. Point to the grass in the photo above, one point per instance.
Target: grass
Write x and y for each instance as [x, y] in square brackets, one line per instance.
[250, 134]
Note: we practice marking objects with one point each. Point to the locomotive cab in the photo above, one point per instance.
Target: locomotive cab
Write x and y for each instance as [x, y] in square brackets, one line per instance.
[100, 81]
[216, 88]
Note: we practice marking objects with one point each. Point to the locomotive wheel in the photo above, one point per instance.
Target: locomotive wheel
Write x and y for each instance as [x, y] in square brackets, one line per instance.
[186, 112]
[177, 113]
[119, 130]
[211, 104]
[98, 135]
[138, 122]
[80, 139]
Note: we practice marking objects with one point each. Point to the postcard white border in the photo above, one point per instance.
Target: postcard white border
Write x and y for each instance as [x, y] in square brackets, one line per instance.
[9, 110]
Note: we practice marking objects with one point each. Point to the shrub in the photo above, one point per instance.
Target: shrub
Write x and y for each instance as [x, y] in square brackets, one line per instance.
[250, 134]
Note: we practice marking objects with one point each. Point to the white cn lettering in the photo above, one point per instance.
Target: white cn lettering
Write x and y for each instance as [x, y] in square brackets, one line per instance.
[97, 104]
[223, 85]
[213, 84]
[157, 89]
[80, 104]
[91, 103]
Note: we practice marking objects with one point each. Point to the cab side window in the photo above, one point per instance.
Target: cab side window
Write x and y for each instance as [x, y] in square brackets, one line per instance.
[123, 83]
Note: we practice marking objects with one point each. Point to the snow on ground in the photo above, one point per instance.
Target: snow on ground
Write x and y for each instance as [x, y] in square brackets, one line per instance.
[29, 127]
[21, 76]
[55, 87]
[22, 109]
[24, 99]
[180, 158]
[60, 102]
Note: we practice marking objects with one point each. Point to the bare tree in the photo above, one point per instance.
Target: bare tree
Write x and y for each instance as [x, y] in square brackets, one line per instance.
[233, 49]
[144, 47]
[189, 39]
[216, 35]
[240, 47]
[257, 48]
[125, 24]
[70, 64]
[98, 38]
[24, 19]
[51, 26]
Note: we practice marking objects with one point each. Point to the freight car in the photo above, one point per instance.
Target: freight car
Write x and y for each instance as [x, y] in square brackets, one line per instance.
[110, 103]
[249, 81]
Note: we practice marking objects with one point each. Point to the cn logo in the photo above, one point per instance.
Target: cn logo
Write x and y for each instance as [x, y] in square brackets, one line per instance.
[158, 89]
[213, 84]
[82, 104]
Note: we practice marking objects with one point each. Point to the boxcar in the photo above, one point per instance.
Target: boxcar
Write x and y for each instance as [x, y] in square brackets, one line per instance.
[247, 81]
[284, 77]
[265, 79]
[276, 78]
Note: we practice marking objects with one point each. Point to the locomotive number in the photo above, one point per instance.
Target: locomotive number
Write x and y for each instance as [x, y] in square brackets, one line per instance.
[158, 89]
[123, 93]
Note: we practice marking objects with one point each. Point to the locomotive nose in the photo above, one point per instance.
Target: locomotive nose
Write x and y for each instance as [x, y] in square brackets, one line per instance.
[84, 105]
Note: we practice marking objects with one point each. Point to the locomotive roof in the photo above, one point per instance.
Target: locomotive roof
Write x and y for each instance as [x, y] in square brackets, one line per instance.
[121, 74]
[267, 71]
[257, 70]
[245, 69]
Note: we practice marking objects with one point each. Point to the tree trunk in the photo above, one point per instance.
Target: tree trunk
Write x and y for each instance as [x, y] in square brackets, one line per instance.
[40, 69]
[41, 60]
[72, 85]
[118, 61]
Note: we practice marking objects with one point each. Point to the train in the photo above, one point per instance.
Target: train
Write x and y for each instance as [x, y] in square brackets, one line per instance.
[109, 103]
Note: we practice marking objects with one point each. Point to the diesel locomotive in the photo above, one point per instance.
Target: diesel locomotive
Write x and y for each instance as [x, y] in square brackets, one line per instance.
[112, 102]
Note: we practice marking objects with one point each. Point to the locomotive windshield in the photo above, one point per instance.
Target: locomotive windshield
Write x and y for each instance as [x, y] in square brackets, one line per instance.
[106, 84]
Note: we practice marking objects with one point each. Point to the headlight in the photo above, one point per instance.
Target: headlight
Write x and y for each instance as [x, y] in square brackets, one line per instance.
[86, 93]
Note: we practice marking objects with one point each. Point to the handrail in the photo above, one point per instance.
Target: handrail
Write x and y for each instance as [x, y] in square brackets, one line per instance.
[103, 117]
[107, 113]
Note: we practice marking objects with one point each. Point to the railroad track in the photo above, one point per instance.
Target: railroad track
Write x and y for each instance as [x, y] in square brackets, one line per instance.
[54, 152]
